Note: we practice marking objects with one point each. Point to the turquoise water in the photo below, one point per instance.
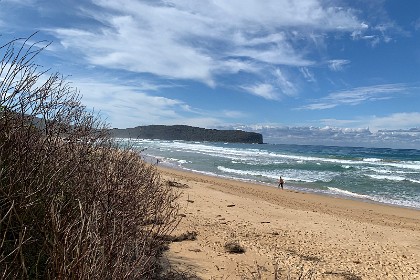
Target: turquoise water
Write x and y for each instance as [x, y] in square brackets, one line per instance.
[389, 176]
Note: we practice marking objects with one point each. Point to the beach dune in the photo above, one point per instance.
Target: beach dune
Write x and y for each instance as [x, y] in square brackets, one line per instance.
[290, 233]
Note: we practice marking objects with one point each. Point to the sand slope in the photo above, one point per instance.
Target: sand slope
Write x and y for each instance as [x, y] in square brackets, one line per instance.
[299, 233]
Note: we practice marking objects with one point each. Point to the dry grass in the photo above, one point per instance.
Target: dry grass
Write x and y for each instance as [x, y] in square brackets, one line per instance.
[281, 271]
[72, 205]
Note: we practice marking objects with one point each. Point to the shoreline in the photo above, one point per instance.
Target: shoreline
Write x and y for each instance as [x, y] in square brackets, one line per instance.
[294, 188]
[310, 198]
[332, 236]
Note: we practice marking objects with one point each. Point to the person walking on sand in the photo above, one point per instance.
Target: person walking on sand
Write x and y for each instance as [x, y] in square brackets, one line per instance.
[281, 182]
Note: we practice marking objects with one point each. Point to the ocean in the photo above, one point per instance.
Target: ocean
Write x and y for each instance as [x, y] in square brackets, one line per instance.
[390, 176]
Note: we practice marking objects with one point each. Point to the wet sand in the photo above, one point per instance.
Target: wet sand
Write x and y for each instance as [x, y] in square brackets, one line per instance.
[290, 232]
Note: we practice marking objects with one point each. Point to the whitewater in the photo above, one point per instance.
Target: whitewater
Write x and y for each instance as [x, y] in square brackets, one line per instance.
[390, 176]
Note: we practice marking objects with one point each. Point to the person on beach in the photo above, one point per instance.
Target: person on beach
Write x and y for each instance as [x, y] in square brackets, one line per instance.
[281, 182]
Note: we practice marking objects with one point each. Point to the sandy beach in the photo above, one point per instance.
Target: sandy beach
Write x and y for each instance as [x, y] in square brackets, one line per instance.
[289, 233]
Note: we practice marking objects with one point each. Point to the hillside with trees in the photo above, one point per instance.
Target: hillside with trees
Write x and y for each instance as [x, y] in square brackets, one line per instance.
[188, 133]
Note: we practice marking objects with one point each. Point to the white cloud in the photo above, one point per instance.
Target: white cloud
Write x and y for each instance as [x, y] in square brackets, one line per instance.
[198, 41]
[310, 134]
[308, 75]
[234, 114]
[380, 32]
[357, 95]
[281, 13]
[272, 49]
[275, 38]
[337, 64]
[284, 83]
[264, 90]
[417, 24]
[235, 65]
[281, 85]
[281, 55]
[396, 121]
[402, 120]
[125, 105]
[353, 123]
[20, 2]
[317, 106]
[336, 136]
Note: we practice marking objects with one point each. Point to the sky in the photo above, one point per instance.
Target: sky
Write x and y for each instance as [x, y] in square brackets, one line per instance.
[331, 72]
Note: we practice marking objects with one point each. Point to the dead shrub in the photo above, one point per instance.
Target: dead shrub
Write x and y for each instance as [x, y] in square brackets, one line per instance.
[234, 247]
[72, 204]
[173, 274]
[191, 236]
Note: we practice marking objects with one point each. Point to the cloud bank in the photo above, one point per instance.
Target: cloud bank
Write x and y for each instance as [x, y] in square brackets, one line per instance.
[357, 96]
[334, 136]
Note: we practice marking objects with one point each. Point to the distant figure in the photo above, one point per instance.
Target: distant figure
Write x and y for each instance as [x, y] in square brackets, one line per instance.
[281, 182]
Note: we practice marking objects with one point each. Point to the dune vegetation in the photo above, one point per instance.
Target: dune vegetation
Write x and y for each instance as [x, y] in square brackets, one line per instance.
[73, 205]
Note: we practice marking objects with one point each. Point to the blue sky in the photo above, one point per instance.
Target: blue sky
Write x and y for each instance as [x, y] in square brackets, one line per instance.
[339, 71]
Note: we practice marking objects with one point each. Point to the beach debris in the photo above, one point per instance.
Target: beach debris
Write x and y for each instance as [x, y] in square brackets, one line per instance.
[345, 274]
[231, 205]
[189, 235]
[234, 247]
[310, 258]
[265, 222]
[182, 237]
[190, 201]
[176, 184]
[195, 250]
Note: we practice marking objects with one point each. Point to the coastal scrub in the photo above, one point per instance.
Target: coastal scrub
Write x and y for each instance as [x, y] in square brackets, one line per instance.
[73, 205]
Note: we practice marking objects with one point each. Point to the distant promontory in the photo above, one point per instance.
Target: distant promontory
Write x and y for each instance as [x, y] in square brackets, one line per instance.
[188, 133]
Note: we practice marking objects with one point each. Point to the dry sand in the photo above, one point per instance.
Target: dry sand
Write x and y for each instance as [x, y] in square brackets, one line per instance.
[300, 233]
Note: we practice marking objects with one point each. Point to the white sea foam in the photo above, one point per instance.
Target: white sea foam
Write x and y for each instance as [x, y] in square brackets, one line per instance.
[257, 155]
[393, 178]
[387, 177]
[217, 175]
[410, 165]
[348, 193]
[406, 202]
[372, 159]
[181, 161]
[414, 181]
[244, 172]
[290, 175]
